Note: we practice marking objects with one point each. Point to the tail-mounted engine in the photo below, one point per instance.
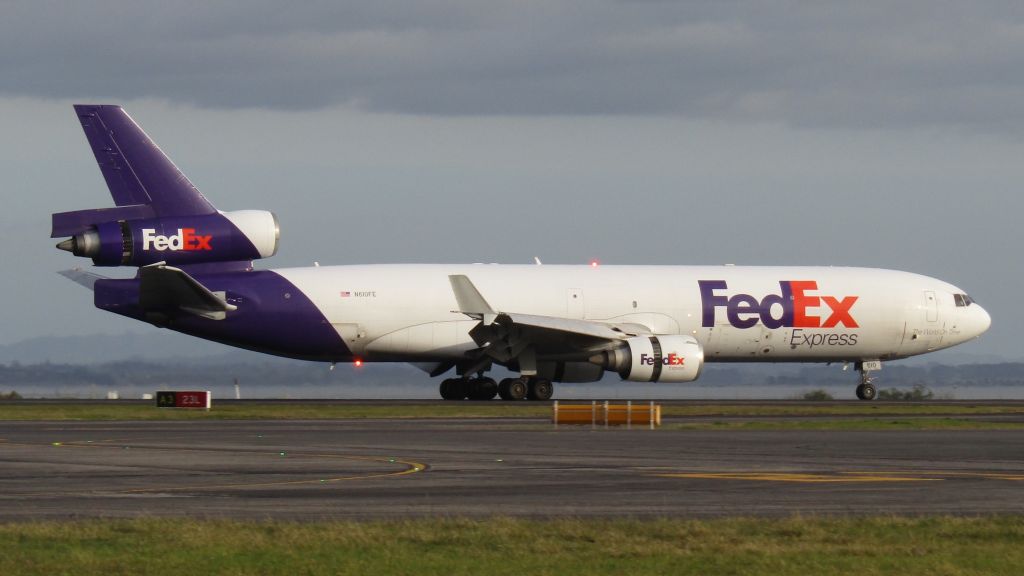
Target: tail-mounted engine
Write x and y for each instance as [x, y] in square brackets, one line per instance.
[655, 359]
[177, 240]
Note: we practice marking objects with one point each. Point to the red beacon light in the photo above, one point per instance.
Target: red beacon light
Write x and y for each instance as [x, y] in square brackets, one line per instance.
[594, 263]
[358, 363]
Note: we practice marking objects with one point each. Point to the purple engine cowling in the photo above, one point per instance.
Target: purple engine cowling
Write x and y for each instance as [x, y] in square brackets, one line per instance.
[179, 240]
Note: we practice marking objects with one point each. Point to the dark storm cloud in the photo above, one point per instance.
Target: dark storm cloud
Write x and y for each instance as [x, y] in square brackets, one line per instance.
[809, 64]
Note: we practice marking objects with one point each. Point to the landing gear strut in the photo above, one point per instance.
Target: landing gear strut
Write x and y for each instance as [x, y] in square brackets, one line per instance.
[866, 390]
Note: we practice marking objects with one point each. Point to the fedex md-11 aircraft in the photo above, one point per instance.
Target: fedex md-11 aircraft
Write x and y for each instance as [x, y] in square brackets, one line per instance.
[546, 323]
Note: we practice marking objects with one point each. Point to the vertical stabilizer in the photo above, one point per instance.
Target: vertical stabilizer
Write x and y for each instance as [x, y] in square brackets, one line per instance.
[136, 170]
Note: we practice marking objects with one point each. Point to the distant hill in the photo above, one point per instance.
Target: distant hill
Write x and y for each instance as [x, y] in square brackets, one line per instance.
[266, 377]
[152, 345]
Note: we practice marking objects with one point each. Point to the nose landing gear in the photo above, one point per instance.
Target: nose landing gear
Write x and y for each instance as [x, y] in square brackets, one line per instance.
[866, 389]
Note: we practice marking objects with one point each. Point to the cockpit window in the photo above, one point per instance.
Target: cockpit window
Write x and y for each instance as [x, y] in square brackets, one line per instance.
[962, 300]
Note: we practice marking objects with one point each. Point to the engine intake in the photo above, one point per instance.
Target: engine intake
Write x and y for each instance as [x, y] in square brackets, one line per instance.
[670, 358]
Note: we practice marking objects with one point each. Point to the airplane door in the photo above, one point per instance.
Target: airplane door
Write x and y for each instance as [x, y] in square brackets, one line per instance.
[574, 303]
[931, 306]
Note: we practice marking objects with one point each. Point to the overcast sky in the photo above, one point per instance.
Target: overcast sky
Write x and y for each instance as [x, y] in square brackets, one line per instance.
[849, 133]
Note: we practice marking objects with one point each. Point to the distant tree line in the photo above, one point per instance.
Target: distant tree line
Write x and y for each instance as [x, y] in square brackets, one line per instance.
[153, 375]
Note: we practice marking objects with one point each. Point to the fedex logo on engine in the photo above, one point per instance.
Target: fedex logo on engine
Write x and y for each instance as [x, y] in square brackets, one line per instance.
[186, 239]
[797, 306]
[672, 359]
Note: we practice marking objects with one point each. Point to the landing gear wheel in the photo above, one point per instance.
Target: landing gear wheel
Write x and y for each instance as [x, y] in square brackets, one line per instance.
[866, 391]
[503, 389]
[453, 389]
[540, 389]
[482, 389]
[512, 389]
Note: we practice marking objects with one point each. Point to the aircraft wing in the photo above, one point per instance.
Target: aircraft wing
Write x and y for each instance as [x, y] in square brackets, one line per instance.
[506, 336]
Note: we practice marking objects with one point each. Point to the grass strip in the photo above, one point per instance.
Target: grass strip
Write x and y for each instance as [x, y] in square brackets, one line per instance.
[881, 423]
[247, 411]
[318, 411]
[894, 416]
[779, 547]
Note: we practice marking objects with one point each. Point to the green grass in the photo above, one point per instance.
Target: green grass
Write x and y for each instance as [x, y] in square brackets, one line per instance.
[255, 411]
[850, 424]
[874, 416]
[858, 408]
[290, 411]
[777, 547]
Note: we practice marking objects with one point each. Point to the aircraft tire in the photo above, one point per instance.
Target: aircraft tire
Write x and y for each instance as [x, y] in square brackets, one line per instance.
[453, 389]
[503, 389]
[869, 392]
[540, 389]
[866, 392]
[512, 389]
[482, 389]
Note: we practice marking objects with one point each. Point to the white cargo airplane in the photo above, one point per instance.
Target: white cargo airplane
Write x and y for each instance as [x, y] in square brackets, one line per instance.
[548, 323]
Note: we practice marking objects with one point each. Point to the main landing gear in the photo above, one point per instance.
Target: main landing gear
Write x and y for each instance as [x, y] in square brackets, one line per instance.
[524, 387]
[471, 388]
[866, 389]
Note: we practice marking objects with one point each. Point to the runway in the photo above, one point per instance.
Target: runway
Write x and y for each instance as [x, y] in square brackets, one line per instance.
[519, 467]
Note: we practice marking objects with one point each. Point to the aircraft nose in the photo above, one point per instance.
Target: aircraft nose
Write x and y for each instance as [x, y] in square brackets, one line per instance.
[980, 321]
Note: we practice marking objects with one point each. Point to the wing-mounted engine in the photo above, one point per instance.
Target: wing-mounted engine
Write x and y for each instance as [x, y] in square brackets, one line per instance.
[176, 240]
[667, 358]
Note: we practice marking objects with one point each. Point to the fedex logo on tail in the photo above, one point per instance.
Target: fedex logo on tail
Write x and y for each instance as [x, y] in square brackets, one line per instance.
[186, 239]
[796, 306]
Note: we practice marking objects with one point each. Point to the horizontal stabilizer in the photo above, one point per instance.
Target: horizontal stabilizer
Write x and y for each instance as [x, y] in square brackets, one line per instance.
[164, 287]
[135, 169]
[79, 276]
[72, 223]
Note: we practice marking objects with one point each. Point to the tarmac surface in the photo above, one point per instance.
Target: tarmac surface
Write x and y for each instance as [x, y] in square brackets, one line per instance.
[301, 470]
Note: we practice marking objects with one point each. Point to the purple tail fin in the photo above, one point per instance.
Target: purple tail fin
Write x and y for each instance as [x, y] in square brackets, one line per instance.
[136, 170]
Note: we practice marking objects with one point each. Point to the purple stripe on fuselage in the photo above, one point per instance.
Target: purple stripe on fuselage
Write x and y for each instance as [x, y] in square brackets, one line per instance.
[273, 316]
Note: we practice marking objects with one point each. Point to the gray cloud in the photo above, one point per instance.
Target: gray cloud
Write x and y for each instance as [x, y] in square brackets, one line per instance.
[860, 64]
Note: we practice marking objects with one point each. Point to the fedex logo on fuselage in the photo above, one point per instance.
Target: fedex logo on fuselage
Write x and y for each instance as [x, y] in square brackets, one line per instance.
[672, 359]
[186, 239]
[797, 306]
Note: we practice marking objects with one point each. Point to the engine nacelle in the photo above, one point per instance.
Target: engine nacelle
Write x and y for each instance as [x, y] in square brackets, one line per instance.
[178, 240]
[669, 358]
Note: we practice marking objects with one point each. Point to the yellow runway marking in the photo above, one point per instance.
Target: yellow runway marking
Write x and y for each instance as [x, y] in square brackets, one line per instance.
[796, 477]
[986, 475]
[410, 467]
